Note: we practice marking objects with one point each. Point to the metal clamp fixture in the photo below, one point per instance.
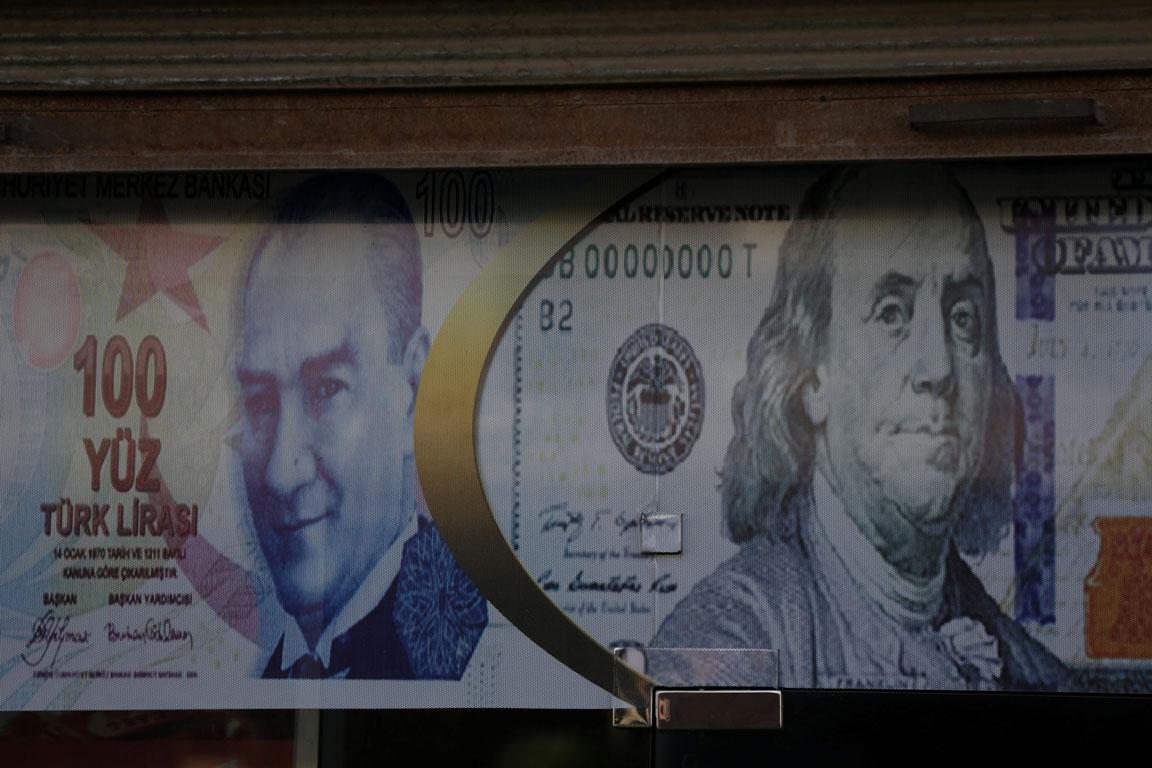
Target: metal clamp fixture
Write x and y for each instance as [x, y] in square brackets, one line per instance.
[1005, 113]
[705, 707]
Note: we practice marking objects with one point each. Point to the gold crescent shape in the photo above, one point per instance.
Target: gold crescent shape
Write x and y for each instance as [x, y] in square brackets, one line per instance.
[445, 433]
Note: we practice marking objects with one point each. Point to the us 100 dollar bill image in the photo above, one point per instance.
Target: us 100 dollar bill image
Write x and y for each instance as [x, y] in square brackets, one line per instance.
[884, 421]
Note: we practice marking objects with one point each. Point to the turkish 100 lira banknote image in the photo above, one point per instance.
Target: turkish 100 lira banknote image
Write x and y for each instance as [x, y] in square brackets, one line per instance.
[889, 421]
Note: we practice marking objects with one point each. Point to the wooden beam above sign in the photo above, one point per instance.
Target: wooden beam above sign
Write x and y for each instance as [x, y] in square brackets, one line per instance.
[585, 126]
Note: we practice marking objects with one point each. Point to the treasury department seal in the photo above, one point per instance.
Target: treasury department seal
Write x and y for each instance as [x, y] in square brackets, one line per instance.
[655, 399]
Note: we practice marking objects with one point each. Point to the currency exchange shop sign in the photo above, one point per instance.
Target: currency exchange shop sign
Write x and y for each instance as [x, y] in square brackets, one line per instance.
[404, 436]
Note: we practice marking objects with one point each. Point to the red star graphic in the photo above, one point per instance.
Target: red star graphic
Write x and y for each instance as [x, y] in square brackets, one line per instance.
[158, 260]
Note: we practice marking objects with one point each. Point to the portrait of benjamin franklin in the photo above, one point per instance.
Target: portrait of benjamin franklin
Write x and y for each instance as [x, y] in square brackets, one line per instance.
[873, 450]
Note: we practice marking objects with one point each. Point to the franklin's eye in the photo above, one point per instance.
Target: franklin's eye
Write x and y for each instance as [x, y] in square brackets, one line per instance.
[892, 312]
[964, 323]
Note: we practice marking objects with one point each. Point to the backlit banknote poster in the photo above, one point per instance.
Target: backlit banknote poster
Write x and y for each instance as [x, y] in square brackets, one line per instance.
[888, 421]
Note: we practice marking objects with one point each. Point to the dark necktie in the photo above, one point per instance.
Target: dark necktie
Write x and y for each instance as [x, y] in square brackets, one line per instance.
[309, 667]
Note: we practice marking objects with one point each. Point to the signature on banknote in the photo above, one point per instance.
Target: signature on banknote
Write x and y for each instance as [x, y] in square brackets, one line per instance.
[574, 523]
[49, 635]
[617, 583]
[151, 630]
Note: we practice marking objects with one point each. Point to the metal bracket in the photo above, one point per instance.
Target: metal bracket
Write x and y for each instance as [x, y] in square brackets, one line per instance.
[1004, 113]
[625, 715]
[662, 534]
[726, 709]
[683, 709]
